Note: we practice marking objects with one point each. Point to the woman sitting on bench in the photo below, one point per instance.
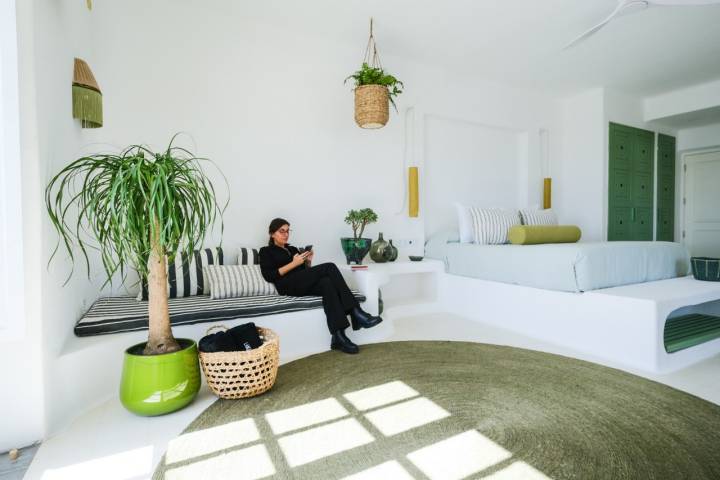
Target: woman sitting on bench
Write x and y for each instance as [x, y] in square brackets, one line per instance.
[291, 272]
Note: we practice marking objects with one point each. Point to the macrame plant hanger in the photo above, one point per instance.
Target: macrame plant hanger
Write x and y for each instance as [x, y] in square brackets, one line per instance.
[372, 58]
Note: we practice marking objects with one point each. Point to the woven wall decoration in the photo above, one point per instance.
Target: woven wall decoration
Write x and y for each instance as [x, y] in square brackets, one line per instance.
[87, 97]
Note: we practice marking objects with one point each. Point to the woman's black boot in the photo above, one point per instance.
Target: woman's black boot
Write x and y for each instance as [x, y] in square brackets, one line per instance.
[341, 342]
[361, 319]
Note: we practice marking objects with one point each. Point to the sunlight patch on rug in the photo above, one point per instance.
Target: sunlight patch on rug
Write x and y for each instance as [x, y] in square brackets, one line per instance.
[310, 445]
[249, 463]
[209, 440]
[405, 416]
[295, 418]
[459, 456]
[380, 395]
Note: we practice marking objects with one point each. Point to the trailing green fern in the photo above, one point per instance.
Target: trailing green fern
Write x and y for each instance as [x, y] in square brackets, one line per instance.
[368, 75]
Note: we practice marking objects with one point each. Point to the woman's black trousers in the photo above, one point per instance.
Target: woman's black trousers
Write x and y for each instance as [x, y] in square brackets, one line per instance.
[326, 281]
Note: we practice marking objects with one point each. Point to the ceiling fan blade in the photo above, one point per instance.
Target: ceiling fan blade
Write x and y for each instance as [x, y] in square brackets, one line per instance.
[622, 5]
[683, 3]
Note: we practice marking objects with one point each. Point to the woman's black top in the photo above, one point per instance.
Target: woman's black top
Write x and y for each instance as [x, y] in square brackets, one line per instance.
[273, 257]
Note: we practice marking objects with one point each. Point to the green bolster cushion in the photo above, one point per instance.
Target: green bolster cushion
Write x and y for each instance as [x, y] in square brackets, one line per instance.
[535, 234]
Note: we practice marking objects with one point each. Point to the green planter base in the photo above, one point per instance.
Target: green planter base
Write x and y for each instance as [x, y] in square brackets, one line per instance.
[355, 249]
[159, 384]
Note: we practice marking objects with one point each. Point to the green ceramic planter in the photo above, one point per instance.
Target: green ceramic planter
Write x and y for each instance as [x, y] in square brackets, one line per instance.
[355, 249]
[159, 384]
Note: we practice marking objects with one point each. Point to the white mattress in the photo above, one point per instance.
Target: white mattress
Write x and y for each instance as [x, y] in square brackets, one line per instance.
[569, 267]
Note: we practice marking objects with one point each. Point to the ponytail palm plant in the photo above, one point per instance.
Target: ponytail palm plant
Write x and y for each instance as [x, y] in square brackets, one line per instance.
[141, 207]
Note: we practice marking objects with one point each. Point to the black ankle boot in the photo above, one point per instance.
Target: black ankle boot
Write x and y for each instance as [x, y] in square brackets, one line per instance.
[361, 319]
[340, 342]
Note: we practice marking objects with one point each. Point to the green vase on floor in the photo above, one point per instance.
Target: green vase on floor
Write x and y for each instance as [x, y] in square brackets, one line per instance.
[379, 251]
[159, 384]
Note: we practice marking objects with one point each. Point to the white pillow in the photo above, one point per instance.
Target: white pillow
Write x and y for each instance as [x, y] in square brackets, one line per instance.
[538, 217]
[465, 223]
[229, 281]
[491, 225]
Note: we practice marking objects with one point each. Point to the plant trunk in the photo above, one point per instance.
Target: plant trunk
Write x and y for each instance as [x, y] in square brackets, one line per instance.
[160, 337]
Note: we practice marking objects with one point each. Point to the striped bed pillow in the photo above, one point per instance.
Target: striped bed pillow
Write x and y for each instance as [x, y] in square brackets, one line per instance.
[248, 256]
[230, 281]
[491, 225]
[538, 217]
[186, 278]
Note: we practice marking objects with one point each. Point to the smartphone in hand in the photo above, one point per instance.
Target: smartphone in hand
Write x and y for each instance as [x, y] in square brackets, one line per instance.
[307, 248]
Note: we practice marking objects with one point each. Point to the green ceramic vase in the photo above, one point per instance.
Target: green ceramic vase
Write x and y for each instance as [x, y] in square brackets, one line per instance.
[159, 384]
[393, 252]
[379, 250]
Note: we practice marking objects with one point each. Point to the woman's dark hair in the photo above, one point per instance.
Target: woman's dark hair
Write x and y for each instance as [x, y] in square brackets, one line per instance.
[275, 226]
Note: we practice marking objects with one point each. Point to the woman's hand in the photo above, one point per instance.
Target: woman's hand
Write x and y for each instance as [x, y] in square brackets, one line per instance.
[299, 258]
[310, 255]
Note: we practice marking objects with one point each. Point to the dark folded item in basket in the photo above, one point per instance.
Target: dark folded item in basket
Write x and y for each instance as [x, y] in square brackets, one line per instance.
[242, 337]
[246, 336]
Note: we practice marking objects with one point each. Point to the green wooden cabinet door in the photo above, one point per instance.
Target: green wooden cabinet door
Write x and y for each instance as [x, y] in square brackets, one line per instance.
[631, 192]
[666, 188]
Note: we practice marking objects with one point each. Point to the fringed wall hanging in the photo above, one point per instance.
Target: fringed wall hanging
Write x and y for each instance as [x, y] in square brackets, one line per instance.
[86, 96]
[374, 89]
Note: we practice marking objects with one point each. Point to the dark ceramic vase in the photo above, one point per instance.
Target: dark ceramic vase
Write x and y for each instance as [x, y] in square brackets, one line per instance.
[393, 252]
[379, 251]
[355, 249]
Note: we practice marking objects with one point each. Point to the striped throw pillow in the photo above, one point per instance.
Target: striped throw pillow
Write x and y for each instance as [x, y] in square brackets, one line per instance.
[248, 256]
[185, 276]
[538, 217]
[230, 281]
[491, 225]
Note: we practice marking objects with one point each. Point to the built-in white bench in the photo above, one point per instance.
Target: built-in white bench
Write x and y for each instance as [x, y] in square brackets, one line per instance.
[621, 326]
[90, 366]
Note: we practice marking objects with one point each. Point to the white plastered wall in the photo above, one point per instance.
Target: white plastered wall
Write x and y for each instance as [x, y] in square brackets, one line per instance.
[21, 355]
[699, 137]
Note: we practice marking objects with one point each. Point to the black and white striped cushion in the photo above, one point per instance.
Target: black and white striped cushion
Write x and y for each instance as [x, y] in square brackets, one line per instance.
[538, 217]
[124, 314]
[230, 281]
[248, 256]
[491, 225]
[185, 278]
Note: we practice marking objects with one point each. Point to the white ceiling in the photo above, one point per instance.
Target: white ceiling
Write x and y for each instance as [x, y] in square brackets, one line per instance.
[520, 41]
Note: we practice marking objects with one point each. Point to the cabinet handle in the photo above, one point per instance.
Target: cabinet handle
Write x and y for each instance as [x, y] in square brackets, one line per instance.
[632, 214]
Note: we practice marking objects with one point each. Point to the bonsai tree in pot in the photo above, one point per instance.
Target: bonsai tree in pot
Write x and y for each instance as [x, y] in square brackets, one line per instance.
[357, 247]
[141, 207]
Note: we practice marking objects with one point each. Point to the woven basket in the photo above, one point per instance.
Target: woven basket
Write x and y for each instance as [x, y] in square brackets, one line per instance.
[371, 106]
[243, 374]
[706, 268]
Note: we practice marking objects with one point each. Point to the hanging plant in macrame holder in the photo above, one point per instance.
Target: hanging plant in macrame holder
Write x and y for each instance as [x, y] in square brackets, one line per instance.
[374, 89]
[86, 96]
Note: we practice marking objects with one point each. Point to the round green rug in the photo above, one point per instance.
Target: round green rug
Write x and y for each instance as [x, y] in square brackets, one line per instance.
[452, 410]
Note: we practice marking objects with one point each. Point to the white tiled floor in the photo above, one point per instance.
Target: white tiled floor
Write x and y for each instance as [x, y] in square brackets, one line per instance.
[109, 435]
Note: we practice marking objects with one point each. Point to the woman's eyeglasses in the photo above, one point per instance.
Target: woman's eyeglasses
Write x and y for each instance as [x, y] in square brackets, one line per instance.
[284, 232]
